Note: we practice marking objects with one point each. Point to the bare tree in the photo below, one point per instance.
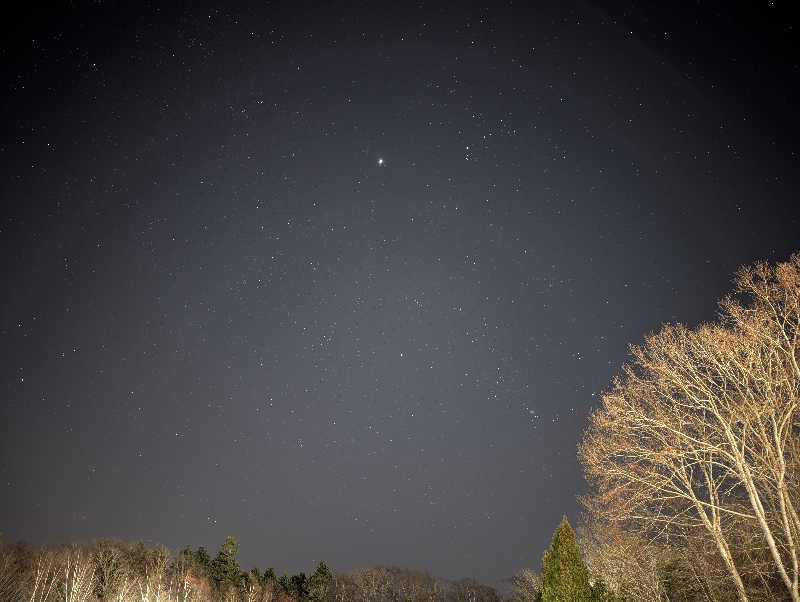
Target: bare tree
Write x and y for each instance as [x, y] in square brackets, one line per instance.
[627, 562]
[526, 585]
[344, 587]
[201, 590]
[469, 590]
[150, 570]
[229, 594]
[45, 578]
[10, 574]
[252, 591]
[78, 582]
[113, 573]
[411, 585]
[702, 420]
[373, 583]
[182, 583]
[767, 373]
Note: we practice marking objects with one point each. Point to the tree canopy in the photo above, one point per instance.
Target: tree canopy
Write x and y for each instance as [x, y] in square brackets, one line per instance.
[700, 431]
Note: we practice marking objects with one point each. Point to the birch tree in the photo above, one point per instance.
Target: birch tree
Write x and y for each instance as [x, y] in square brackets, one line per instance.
[46, 575]
[115, 581]
[78, 582]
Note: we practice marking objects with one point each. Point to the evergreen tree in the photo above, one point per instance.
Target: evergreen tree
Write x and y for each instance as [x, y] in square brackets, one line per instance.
[203, 559]
[565, 577]
[225, 569]
[299, 587]
[319, 584]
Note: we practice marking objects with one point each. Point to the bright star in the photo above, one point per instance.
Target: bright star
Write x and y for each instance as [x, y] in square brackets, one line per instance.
[380, 162]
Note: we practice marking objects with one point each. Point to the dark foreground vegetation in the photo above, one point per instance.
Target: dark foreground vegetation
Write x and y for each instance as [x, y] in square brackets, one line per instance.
[693, 462]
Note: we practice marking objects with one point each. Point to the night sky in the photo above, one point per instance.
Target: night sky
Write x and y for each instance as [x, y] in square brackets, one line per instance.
[344, 282]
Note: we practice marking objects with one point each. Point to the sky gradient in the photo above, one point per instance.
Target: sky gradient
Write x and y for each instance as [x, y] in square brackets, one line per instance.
[345, 282]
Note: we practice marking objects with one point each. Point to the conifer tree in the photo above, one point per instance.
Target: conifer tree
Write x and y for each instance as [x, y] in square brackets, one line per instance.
[565, 577]
[225, 569]
[320, 582]
[299, 587]
[203, 559]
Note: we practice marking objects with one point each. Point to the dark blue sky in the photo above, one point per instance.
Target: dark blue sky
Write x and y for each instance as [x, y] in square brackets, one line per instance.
[344, 282]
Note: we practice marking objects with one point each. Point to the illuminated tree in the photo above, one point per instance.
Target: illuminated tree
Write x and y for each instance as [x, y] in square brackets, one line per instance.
[626, 562]
[113, 573]
[77, 583]
[700, 431]
[526, 585]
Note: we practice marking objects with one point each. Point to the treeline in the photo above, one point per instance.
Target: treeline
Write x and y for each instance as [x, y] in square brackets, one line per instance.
[107, 570]
[693, 462]
[605, 563]
[693, 459]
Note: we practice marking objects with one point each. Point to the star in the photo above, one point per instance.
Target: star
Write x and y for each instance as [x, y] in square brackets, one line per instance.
[279, 309]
